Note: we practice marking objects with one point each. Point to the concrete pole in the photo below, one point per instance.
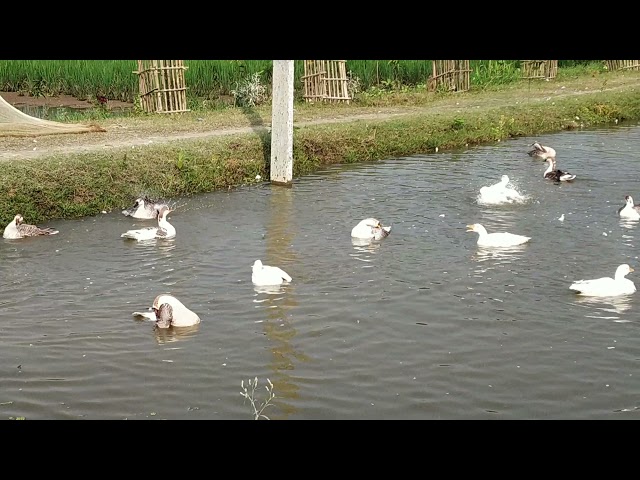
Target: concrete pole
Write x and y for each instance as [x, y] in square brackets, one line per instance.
[282, 123]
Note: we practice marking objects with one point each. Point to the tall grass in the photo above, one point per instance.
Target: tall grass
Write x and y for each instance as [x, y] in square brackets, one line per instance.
[209, 79]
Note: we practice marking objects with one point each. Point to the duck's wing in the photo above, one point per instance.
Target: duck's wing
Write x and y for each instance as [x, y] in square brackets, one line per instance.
[537, 149]
[27, 230]
[161, 233]
[564, 176]
[141, 233]
[281, 273]
[604, 286]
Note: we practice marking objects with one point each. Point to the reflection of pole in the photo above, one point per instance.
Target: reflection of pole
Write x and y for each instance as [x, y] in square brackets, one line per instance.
[279, 328]
[282, 123]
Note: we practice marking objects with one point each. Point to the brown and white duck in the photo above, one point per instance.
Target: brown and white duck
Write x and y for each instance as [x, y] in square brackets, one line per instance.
[541, 152]
[163, 230]
[18, 229]
[552, 173]
[370, 229]
[167, 311]
[629, 210]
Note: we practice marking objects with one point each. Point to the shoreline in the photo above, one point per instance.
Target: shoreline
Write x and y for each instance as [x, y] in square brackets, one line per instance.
[77, 175]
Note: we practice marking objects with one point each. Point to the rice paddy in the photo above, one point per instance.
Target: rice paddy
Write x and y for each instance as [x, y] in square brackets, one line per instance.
[212, 79]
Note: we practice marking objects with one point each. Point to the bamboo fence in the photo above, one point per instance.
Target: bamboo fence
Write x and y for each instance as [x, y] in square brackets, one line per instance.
[623, 65]
[450, 75]
[325, 81]
[542, 69]
[162, 87]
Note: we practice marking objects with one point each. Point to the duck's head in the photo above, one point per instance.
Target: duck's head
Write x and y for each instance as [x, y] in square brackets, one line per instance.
[163, 306]
[372, 222]
[623, 270]
[629, 200]
[18, 219]
[257, 265]
[472, 227]
[505, 179]
[163, 211]
[164, 315]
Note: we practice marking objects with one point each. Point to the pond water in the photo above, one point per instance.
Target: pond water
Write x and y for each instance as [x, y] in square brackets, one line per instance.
[422, 325]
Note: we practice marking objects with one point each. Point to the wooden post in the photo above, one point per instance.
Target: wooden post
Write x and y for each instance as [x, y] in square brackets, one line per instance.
[282, 123]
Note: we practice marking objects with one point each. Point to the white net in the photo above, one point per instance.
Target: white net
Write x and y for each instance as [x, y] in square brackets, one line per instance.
[14, 123]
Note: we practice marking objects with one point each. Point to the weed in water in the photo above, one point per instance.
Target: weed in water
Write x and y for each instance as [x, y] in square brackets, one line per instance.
[249, 394]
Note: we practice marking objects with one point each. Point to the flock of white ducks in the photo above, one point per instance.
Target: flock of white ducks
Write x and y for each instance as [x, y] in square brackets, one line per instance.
[167, 311]
[599, 287]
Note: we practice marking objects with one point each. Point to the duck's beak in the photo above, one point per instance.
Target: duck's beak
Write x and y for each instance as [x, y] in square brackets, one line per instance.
[469, 228]
[631, 269]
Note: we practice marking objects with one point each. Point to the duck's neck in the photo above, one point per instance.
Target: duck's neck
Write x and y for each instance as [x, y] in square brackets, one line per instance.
[11, 230]
[551, 167]
[481, 230]
[164, 223]
[620, 274]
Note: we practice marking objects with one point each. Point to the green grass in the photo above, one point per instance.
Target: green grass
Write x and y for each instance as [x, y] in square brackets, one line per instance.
[210, 79]
[77, 185]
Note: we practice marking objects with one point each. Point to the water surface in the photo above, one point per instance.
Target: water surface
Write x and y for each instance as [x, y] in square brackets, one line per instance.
[423, 325]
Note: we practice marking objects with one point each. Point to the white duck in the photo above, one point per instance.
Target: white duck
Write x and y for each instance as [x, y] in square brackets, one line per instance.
[18, 229]
[500, 192]
[542, 152]
[163, 230]
[144, 208]
[497, 239]
[630, 210]
[167, 311]
[370, 229]
[264, 275]
[606, 286]
[552, 173]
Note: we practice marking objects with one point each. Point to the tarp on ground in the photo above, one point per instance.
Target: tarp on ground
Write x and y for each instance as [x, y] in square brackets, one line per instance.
[14, 123]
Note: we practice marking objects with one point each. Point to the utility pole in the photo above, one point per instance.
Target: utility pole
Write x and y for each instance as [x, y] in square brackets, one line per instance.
[282, 123]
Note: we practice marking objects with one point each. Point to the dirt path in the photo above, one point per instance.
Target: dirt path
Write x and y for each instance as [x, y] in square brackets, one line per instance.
[131, 133]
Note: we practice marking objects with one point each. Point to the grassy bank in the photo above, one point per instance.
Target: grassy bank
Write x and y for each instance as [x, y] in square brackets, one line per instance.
[76, 185]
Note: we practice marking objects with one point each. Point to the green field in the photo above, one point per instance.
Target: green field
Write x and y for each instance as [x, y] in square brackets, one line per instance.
[211, 79]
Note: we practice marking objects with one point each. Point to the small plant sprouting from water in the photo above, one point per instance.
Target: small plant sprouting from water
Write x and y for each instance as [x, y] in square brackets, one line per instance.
[250, 92]
[249, 394]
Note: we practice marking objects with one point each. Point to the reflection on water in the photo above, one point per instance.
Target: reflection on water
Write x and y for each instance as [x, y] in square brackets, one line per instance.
[629, 223]
[364, 249]
[278, 325]
[603, 307]
[269, 290]
[499, 254]
[174, 334]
